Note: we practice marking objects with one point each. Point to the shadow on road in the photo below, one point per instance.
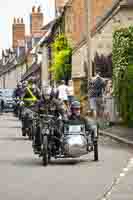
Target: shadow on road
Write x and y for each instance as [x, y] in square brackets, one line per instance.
[31, 162]
[12, 127]
[13, 138]
[68, 161]
[38, 162]
[14, 119]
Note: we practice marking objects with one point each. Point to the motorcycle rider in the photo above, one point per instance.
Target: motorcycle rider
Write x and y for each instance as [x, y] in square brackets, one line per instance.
[75, 115]
[48, 105]
[31, 92]
[30, 97]
[18, 93]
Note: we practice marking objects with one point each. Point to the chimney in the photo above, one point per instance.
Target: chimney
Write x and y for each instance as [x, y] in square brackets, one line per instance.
[36, 21]
[18, 32]
[59, 5]
[33, 9]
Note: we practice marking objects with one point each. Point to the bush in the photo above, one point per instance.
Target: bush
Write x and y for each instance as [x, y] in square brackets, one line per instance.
[123, 72]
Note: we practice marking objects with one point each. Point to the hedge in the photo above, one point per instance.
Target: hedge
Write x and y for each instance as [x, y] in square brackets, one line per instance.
[123, 72]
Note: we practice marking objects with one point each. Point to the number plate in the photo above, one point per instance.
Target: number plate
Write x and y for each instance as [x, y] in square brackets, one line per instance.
[45, 131]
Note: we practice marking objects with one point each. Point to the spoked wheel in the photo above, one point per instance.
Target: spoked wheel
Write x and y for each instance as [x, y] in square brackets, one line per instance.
[95, 151]
[23, 132]
[30, 133]
[45, 154]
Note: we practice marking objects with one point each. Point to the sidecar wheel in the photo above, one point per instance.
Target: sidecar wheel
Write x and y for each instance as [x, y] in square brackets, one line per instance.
[45, 156]
[95, 151]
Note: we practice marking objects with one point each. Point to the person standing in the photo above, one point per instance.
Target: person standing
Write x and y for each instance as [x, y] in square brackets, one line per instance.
[70, 92]
[95, 90]
[63, 92]
[109, 103]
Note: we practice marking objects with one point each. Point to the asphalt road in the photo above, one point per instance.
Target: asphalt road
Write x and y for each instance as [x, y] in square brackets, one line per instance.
[22, 176]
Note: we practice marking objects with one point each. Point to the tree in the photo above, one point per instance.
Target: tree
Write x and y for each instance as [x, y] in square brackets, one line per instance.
[62, 53]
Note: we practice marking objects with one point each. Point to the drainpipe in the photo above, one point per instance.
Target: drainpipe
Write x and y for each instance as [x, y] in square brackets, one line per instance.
[88, 16]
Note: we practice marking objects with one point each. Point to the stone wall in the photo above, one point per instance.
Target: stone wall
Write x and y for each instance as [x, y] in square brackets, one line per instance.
[12, 77]
[79, 58]
[102, 41]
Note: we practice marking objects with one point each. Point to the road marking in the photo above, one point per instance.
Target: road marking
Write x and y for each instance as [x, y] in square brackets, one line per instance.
[116, 181]
[125, 169]
[122, 174]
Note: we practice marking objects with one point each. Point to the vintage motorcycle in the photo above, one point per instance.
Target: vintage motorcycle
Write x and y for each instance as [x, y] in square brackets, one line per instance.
[27, 123]
[71, 140]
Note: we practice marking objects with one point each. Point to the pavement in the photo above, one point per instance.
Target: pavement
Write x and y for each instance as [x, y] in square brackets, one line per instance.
[122, 186]
[24, 177]
[119, 133]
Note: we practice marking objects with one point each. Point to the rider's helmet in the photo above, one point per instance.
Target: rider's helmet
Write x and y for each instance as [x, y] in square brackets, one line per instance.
[75, 108]
[19, 85]
[25, 84]
[46, 92]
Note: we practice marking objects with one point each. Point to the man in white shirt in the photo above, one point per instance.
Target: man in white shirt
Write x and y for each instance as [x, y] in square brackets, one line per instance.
[63, 92]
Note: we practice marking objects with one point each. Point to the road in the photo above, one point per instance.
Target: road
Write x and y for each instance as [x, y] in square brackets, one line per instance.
[22, 176]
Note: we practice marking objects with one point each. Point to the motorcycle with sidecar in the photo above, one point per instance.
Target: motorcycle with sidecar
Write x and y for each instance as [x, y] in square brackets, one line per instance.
[66, 139]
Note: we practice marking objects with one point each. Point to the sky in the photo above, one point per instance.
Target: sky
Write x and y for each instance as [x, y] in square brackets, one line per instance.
[20, 8]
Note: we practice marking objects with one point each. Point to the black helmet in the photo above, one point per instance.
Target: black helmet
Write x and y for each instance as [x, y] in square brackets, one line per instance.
[75, 108]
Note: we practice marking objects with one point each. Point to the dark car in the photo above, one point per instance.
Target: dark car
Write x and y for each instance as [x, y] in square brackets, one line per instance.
[8, 99]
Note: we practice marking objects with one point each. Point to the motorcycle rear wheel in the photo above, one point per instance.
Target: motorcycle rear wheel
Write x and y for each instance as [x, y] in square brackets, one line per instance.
[96, 151]
[30, 134]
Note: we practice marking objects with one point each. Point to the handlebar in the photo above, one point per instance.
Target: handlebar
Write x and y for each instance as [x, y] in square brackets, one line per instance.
[47, 116]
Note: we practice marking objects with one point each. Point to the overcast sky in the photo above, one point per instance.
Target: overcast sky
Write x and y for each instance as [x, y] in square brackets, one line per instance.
[20, 8]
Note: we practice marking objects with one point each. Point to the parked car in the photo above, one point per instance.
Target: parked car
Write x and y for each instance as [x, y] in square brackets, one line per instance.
[7, 96]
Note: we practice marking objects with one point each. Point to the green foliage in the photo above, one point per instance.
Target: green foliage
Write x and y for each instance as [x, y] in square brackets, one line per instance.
[62, 53]
[123, 72]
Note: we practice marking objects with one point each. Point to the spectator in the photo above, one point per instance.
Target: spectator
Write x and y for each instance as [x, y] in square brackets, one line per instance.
[70, 92]
[109, 103]
[63, 92]
[95, 90]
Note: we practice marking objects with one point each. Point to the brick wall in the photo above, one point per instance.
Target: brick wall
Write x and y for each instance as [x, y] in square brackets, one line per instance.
[75, 21]
[78, 20]
[99, 7]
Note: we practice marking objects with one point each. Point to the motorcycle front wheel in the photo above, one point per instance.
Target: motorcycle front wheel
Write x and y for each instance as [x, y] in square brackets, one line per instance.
[30, 133]
[45, 155]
